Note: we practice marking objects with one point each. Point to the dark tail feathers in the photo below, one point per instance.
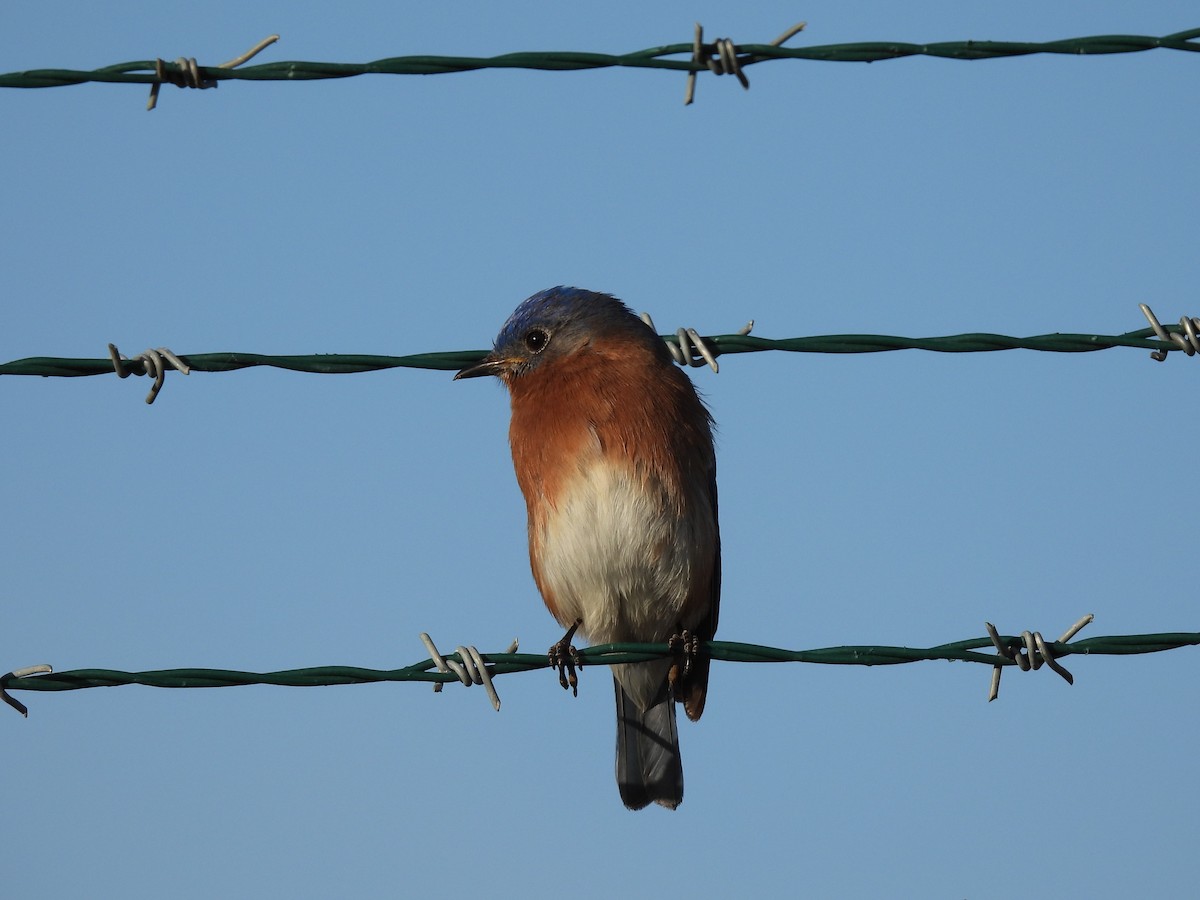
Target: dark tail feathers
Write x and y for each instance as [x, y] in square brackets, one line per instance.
[648, 764]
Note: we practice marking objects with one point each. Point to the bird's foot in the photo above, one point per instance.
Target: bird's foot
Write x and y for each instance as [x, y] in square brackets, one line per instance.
[564, 657]
[685, 646]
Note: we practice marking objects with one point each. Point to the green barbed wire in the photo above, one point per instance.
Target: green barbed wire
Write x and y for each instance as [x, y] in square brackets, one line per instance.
[601, 654]
[147, 71]
[339, 363]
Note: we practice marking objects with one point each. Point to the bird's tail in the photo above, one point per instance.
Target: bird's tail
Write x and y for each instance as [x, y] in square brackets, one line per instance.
[649, 767]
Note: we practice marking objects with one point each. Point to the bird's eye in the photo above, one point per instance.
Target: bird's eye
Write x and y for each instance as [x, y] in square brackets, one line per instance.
[536, 340]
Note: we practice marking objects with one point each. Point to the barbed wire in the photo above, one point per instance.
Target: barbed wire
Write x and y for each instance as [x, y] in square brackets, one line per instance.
[1015, 647]
[343, 363]
[185, 72]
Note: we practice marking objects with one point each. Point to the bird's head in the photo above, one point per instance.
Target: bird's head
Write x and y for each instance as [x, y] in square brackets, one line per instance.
[553, 324]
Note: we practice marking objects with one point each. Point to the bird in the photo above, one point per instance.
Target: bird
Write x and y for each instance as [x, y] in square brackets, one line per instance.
[613, 451]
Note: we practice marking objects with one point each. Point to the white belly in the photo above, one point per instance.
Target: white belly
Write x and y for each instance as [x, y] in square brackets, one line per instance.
[617, 555]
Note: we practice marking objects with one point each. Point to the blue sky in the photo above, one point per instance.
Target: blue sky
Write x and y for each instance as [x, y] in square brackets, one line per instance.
[265, 519]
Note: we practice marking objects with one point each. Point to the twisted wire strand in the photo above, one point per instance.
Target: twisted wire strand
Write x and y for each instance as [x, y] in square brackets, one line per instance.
[602, 654]
[344, 363]
[155, 71]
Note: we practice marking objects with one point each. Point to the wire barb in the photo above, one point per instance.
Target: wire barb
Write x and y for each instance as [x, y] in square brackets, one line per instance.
[470, 668]
[153, 362]
[721, 58]
[185, 73]
[689, 349]
[1188, 341]
[1032, 654]
[40, 669]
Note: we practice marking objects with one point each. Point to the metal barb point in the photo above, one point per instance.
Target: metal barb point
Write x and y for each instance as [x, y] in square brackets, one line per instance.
[118, 361]
[721, 58]
[470, 667]
[689, 348]
[1032, 654]
[187, 74]
[153, 362]
[691, 344]
[789, 34]
[40, 669]
[697, 58]
[438, 662]
[1188, 341]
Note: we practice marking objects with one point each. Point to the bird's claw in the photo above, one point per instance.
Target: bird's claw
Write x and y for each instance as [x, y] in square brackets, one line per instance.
[686, 647]
[565, 657]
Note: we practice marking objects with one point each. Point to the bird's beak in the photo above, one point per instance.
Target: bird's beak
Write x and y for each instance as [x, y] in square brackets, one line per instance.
[489, 365]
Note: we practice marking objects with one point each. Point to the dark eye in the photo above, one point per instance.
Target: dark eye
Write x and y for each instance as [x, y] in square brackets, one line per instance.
[536, 340]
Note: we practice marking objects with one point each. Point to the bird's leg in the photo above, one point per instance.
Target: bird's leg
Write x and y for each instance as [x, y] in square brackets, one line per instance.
[564, 657]
[686, 647]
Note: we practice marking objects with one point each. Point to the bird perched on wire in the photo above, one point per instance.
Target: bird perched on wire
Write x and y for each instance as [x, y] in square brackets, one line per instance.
[613, 451]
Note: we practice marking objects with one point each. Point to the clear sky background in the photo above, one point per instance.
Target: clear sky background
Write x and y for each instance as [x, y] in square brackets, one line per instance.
[265, 519]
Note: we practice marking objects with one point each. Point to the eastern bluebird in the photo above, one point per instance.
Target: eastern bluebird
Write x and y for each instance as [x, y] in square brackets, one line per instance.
[613, 451]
